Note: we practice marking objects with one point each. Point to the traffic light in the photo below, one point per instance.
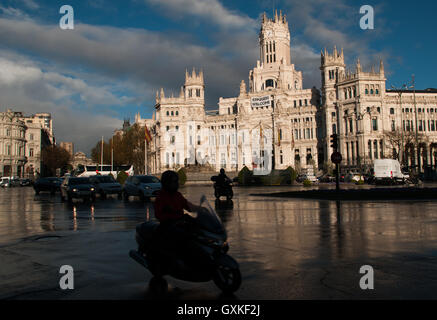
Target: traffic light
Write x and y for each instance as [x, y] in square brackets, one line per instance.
[334, 142]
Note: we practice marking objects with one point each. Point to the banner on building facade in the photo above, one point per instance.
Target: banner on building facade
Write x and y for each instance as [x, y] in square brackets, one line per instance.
[258, 102]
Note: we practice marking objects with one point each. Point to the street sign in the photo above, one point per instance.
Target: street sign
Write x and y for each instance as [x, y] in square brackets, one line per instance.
[336, 157]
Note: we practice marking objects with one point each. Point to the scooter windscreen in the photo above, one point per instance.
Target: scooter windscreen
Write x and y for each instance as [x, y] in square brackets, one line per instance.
[208, 218]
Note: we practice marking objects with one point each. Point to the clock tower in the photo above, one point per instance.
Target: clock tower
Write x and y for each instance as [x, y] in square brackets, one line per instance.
[274, 40]
[274, 70]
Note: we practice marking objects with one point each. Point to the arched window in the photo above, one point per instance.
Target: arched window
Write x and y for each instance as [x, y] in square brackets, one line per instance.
[270, 83]
[375, 149]
[392, 111]
[369, 145]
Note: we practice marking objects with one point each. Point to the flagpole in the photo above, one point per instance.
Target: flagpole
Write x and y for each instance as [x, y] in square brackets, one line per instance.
[101, 159]
[145, 156]
[112, 156]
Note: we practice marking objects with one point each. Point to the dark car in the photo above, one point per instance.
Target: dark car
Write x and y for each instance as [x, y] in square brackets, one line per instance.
[25, 182]
[301, 178]
[142, 186]
[105, 185]
[327, 178]
[77, 188]
[51, 184]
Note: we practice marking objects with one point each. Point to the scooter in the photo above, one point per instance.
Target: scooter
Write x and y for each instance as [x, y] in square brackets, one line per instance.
[225, 190]
[207, 237]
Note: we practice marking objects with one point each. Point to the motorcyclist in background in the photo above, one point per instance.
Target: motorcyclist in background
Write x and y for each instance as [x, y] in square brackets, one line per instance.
[222, 179]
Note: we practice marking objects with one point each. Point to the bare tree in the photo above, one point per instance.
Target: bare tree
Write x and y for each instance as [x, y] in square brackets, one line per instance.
[396, 139]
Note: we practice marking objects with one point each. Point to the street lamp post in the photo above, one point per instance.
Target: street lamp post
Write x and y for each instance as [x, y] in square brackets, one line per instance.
[236, 145]
[413, 86]
[360, 117]
[404, 86]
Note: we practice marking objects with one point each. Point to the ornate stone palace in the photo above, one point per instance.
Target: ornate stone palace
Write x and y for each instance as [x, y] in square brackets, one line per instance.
[22, 139]
[276, 122]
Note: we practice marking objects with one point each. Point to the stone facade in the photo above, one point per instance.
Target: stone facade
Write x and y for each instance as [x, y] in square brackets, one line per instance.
[12, 144]
[69, 146]
[363, 112]
[22, 140]
[39, 134]
[80, 158]
[277, 123]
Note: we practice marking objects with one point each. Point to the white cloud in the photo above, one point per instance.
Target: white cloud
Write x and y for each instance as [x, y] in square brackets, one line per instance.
[13, 13]
[26, 87]
[31, 4]
[207, 10]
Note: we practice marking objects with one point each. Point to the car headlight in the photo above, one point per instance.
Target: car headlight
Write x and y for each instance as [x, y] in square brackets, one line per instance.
[147, 188]
[92, 189]
[75, 190]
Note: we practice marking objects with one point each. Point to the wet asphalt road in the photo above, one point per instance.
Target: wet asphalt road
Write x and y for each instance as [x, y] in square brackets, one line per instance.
[287, 248]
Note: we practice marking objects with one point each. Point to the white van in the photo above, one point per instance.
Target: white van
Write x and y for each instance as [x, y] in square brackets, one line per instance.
[388, 170]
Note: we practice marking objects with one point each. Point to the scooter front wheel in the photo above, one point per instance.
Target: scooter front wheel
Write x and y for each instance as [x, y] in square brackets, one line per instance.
[227, 279]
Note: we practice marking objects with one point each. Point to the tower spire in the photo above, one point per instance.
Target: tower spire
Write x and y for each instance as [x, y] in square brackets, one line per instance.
[358, 65]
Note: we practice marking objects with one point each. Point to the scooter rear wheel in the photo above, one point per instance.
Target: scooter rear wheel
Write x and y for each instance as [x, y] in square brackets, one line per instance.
[227, 279]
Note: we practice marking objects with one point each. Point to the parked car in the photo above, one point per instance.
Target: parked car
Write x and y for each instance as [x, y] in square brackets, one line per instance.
[4, 183]
[369, 178]
[9, 182]
[105, 185]
[51, 184]
[303, 177]
[353, 177]
[142, 186]
[327, 178]
[25, 182]
[77, 188]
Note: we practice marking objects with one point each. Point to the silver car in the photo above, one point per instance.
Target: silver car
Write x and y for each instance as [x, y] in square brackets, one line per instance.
[141, 186]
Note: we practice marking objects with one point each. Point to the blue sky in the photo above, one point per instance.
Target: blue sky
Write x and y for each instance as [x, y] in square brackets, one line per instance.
[120, 52]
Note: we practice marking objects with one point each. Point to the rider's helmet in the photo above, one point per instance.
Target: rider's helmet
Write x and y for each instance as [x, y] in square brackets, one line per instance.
[222, 171]
[170, 181]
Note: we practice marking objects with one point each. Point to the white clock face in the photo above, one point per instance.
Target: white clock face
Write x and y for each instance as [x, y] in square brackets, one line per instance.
[269, 33]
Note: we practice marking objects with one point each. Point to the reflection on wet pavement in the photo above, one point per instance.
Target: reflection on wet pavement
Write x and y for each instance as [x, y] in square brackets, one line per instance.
[287, 248]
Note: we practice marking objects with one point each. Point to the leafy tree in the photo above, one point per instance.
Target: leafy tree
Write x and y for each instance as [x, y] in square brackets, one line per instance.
[182, 176]
[54, 157]
[244, 176]
[128, 149]
[290, 176]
